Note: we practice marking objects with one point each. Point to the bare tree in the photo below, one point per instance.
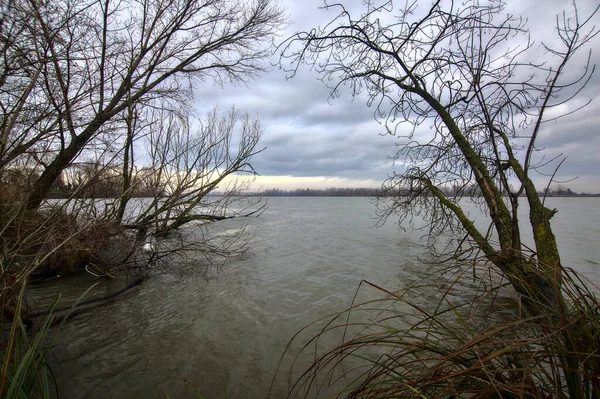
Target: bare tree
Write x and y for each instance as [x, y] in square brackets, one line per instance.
[86, 87]
[72, 69]
[193, 165]
[470, 70]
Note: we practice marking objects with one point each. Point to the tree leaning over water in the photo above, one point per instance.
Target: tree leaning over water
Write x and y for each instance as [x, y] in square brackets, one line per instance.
[95, 105]
[96, 99]
[473, 73]
[71, 70]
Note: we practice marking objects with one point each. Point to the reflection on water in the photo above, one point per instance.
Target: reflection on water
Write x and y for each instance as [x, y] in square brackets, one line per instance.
[226, 331]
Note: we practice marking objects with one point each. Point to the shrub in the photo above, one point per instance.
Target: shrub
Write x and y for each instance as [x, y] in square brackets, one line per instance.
[50, 241]
[45, 243]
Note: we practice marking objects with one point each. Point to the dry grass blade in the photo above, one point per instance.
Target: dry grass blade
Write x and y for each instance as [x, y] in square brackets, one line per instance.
[25, 373]
[477, 349]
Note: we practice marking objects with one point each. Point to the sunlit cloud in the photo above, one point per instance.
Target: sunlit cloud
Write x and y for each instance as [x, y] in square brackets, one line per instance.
[260, 183]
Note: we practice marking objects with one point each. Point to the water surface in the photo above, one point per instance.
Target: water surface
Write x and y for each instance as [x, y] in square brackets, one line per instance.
[226, 331]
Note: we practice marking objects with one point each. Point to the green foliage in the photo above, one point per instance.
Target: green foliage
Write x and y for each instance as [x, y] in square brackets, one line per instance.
[482, 347]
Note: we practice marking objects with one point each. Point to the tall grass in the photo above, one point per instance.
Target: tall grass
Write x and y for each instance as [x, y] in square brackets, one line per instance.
[24, 371]
[476, 341]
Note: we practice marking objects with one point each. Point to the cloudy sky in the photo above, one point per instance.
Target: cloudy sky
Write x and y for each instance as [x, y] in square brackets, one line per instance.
[313, 141]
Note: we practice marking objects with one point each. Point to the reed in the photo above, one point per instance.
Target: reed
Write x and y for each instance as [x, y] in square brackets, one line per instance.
[24, 371]
[484, 345]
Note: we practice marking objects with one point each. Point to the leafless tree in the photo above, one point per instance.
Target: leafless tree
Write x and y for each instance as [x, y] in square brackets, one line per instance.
[72, 70]
[192, 170]
[471, 71]
[86, 87]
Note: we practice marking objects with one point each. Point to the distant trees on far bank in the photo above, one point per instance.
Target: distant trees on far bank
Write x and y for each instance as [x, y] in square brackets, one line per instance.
[374, 192]
[328, 192]
[566, 192]
[92, 180]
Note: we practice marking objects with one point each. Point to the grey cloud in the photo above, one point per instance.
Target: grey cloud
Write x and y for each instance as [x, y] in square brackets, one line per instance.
[303, 101]
[309, 134]
[351, 153]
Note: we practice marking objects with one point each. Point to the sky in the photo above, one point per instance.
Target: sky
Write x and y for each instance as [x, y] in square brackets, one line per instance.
[314, 141]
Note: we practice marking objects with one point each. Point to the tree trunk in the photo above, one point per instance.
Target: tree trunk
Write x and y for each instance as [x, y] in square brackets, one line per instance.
[42, 186]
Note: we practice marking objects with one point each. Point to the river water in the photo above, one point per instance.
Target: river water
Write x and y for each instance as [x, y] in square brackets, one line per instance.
[225, 331]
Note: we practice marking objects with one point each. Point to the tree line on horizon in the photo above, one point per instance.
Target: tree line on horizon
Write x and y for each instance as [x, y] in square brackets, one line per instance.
[327, 192]
[471, 191]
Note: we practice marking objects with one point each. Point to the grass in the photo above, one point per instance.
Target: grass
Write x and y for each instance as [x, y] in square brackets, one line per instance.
[475, 342]
[24, 372]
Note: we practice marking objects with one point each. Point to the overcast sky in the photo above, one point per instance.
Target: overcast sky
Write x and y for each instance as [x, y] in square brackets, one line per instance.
[313, 141]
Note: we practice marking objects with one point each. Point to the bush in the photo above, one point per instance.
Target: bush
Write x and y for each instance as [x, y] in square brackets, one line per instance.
[45, 243]
[50, 241]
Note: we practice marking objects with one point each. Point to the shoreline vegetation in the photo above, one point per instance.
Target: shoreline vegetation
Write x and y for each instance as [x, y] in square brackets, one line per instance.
[470, 342]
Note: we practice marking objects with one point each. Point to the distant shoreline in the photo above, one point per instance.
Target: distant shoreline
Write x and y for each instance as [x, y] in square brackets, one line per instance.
[293, 194]
[342, 192]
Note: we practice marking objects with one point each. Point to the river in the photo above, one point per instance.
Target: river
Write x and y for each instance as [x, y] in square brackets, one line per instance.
[225, 330]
